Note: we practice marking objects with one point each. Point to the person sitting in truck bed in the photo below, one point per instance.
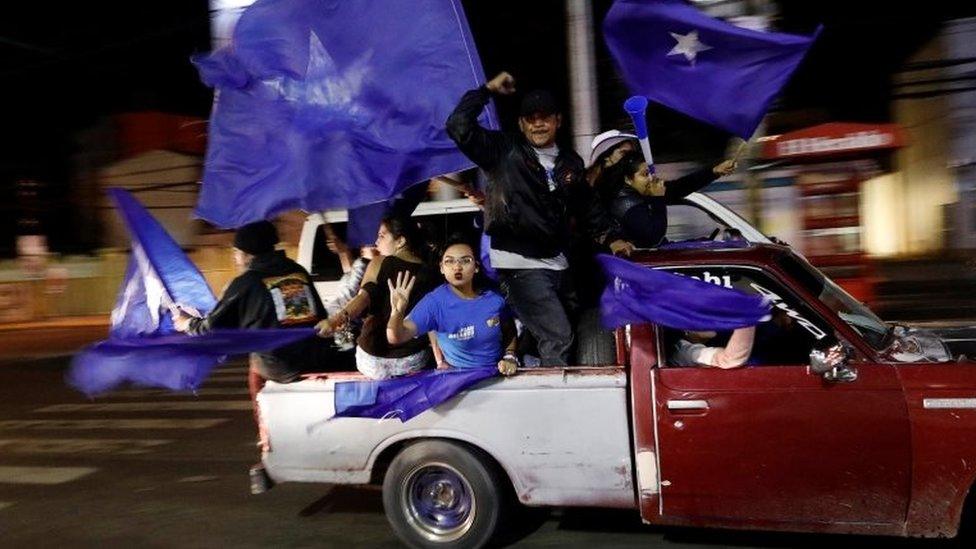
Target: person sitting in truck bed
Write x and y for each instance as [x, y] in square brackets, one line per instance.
[271, 291]
[638, 199]
[402, 249]
[473, 326]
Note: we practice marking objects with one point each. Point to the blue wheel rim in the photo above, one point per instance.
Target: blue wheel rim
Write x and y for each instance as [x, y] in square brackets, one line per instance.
[438, 501]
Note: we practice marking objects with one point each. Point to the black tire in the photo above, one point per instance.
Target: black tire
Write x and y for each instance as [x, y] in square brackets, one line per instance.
[473, 500]
[966, 536]
[596, 346]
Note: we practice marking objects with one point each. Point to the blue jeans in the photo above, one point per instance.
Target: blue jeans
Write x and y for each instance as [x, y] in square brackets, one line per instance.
[544, 300]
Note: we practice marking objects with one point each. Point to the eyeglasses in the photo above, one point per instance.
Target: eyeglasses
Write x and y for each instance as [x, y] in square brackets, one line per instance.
[465, 261]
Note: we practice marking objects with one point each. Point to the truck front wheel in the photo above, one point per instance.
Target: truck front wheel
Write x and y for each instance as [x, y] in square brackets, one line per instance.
[441, 494]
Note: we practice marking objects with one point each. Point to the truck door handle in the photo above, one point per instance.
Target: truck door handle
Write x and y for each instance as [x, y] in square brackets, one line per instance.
[687, 405]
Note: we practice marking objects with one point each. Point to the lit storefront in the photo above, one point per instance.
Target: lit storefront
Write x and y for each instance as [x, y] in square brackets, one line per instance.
[836, 170]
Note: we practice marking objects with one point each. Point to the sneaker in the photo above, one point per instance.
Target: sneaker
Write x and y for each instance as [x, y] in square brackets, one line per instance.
[260, 481]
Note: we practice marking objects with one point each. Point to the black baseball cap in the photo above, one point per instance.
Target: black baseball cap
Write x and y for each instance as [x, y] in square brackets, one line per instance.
[538, 102]
[256, 238]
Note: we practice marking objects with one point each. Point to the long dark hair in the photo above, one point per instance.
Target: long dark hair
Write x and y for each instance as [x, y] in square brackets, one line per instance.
[598, 170]
[480, 282]
[616, 176]
[410, 230]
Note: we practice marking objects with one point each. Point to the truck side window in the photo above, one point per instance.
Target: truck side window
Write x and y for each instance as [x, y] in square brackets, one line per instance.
[325, 264]
[688, 221]
[786, 339]
[440, 227]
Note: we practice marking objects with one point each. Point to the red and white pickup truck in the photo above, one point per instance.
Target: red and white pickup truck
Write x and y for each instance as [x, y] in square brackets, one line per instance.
[882, 443]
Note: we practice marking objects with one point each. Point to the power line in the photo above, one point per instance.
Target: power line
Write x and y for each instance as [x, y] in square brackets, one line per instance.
[26, 46]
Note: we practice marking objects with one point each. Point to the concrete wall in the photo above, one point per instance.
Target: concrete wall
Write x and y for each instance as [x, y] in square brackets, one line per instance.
[87, 286]
[165, 183]
[915, 195]
[960, 39]
[932, 195]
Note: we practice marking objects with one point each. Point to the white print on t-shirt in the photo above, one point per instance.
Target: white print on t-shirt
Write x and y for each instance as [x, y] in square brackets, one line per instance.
[550, 180]
[463, 334]
[292, 297]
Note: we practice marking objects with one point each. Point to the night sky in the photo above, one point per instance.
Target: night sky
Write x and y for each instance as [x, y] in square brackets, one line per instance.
[66, 66]
[63, 67]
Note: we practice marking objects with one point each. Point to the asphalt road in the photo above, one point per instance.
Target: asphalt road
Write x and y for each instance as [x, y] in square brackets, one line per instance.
[154, 469]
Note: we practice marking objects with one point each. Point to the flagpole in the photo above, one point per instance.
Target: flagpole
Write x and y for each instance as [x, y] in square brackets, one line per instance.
[738, 152]
[582, 71]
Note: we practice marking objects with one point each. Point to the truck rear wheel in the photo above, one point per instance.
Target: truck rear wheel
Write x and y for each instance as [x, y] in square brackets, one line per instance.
[441, 494]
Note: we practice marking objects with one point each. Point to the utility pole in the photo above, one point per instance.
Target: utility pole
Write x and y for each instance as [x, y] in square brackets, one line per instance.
[582, 74]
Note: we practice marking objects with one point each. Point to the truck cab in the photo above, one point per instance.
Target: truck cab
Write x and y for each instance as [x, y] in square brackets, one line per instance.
[784, 443]
[877, 442]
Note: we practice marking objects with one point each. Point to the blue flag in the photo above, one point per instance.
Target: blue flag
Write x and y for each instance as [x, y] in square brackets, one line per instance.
[711, 70]
[704, 244]
[404, 397]
[143, 347]
[325, 104]
[636, 294]
[177, 362]
[158, 275]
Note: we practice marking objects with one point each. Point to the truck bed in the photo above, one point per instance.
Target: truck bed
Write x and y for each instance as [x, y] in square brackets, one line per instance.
[561, 434]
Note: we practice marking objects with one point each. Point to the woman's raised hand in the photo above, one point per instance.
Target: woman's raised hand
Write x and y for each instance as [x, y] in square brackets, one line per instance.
[400, 292]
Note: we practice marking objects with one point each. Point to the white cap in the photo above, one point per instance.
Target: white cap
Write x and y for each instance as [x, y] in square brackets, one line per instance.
[606, 141]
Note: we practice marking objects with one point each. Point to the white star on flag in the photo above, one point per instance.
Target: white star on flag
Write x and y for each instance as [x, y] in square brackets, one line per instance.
[325, 87]
[688, 45]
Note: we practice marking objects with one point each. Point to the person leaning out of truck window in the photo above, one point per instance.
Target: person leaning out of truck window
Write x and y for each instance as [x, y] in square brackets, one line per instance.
[638, 199]
[402, 249]
[692, 350]
[473, 326]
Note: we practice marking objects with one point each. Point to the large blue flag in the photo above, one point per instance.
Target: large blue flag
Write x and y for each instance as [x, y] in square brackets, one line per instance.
[158, 276]
[404, 397]
[637, 294]
[143, 347]
[711, 70]
[327, 104]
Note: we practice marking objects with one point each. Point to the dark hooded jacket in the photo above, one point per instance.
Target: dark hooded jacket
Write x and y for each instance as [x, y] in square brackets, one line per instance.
[274, 292]
[522, 215]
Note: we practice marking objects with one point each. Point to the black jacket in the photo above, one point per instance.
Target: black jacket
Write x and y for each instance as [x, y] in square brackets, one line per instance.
[521, 214]
[644, 219]
[274, 292]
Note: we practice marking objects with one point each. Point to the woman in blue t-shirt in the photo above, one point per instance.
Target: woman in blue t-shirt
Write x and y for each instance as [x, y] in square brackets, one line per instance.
[473, 326]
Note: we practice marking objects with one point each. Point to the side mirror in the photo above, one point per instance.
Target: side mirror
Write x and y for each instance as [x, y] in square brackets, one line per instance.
[832, 363]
